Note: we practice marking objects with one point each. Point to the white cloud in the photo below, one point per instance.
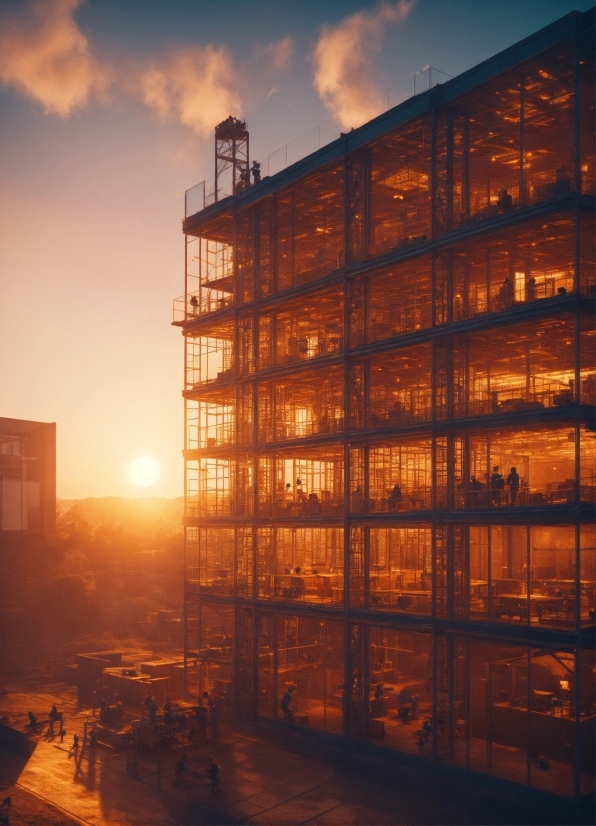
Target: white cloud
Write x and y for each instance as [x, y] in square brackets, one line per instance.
[343, 61]
[46, 56]
[196, 86]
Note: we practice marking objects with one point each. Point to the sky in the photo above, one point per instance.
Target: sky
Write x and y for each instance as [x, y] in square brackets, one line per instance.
[107, 112]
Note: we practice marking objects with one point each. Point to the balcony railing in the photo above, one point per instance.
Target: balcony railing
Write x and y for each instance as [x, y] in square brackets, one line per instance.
[193, 305]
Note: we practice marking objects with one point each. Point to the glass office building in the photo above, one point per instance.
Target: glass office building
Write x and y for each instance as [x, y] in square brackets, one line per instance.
[390, 439]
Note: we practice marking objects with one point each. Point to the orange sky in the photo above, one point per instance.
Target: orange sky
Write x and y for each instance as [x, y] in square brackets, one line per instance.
[106, 114]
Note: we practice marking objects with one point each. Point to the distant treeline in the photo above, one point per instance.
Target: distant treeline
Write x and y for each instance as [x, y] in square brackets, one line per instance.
[111, 563]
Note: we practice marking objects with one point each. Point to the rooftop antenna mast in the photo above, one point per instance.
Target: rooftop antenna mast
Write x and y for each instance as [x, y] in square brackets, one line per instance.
[231, 153]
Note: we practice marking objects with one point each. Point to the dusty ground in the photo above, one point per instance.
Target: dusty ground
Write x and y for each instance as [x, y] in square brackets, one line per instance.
[265, 778]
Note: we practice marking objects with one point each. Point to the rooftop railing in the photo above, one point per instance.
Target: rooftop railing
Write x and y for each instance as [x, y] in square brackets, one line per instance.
[197, 197]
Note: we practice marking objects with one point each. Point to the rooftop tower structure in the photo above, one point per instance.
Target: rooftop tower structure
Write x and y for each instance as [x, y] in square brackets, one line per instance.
[389, 406]
[231, 157]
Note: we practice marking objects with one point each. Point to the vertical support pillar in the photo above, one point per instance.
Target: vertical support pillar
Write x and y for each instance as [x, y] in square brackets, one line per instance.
[449, 182]
[522, 177]
[274, 248]
[467, 704]
[433, 177]
[529, 714]
[466, 172]
[275, 632]
[293, 236]
[528, 575]
[346, 520]
[578, 742]
[577, 118]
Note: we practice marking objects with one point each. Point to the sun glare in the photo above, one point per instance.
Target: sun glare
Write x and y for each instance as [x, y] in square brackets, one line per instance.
[144, 471]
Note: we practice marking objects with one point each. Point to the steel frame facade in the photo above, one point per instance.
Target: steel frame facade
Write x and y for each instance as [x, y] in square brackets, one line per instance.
[373, 330]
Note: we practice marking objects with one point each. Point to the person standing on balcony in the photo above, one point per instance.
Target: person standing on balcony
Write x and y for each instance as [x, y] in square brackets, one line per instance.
[513, 482]
[497, 483]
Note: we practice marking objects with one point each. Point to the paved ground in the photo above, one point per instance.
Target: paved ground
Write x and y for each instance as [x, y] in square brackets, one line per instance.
[265, 778]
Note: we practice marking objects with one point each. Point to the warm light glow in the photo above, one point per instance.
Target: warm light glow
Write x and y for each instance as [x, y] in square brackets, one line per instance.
[144, 471]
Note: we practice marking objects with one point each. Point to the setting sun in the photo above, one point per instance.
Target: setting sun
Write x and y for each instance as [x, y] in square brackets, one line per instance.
[144, 471]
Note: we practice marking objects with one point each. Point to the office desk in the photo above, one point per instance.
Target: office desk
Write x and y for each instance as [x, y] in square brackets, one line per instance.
[517, 605]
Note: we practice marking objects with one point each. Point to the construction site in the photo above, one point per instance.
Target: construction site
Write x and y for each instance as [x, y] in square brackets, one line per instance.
[389, 428]
[389, 521]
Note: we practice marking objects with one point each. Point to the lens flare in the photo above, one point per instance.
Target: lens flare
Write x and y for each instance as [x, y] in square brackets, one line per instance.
[144, 471]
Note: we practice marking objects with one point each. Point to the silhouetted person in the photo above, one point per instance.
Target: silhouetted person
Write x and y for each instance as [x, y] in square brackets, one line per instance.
[531, 289]
[214, 717]
[513, 482]
[243, 181]
[213, 773]
[497, 483]
[201, 715]
[475, 488]
[5, 810]
[54, 715]
[181, 768]
[32, 719]
[313, 506]
[415, 701]
[504, 201]
[285, 704]
[256, 172]
[506, 292]
[357, 500]
[395, 498]
[379, 693]
[194, 303]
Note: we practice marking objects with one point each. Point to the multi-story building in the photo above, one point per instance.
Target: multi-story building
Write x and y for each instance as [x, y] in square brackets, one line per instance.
[27, 480]
[390, 437]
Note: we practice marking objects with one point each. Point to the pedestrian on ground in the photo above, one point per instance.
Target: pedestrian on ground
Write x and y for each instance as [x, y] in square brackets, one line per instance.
[62, 733]
[53, 717]
[5, 810]
[285, 703]
[32, 720]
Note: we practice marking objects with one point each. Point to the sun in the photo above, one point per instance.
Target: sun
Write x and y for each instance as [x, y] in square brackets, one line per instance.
[144, 471]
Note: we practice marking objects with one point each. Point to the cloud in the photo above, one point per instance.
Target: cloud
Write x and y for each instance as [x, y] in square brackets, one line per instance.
[46, 56]
[201, 85]
[196, 86]
[343, 62]
[278, 55]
